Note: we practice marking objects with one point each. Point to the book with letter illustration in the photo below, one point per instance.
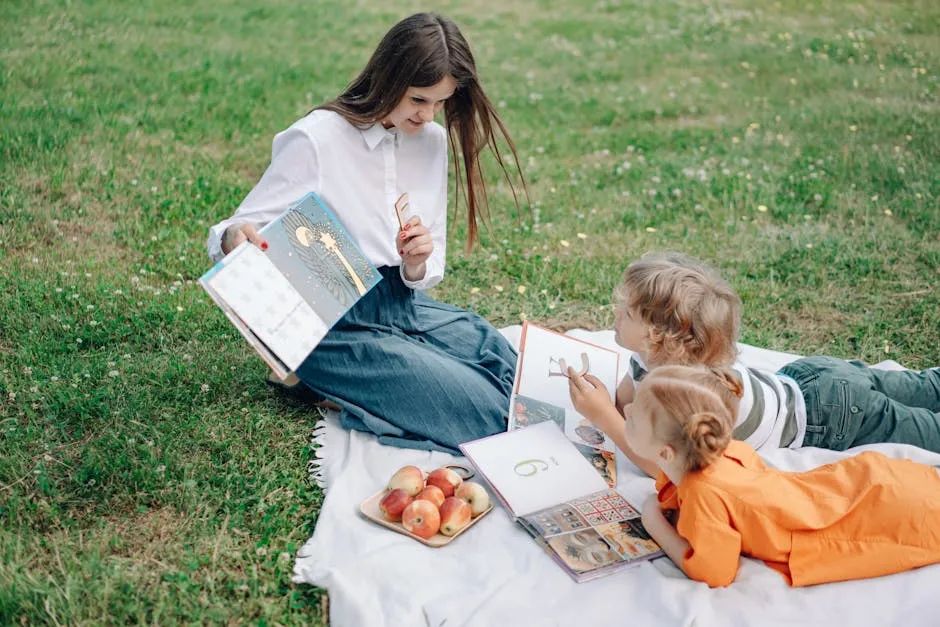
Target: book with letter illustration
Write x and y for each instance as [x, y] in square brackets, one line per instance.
[285, 299]
[540, 392]
[550, 489]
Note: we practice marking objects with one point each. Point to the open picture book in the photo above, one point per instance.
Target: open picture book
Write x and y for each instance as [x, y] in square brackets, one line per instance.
[285, 299]
[540, 392]
[550, 489]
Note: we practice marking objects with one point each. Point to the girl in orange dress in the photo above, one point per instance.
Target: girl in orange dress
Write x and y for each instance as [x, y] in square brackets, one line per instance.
[863, 516]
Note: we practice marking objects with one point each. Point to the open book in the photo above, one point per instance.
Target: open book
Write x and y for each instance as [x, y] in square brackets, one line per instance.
[557, 496]
[541, 394]
[284, 300]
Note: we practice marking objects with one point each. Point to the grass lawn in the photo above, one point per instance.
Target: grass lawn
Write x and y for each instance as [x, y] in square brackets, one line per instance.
[148, 474]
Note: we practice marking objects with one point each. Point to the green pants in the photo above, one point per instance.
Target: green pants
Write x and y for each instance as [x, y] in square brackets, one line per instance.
[848, 404]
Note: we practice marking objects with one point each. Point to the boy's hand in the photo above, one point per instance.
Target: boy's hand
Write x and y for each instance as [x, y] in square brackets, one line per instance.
[624, 394]
[590, 398]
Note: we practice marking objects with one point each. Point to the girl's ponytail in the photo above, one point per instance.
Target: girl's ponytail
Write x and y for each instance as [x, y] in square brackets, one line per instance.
[708, 436]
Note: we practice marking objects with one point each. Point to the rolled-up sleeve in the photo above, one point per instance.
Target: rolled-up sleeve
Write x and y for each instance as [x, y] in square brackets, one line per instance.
[293, 173]
[666, 492]
[715, 545]
[434, 266]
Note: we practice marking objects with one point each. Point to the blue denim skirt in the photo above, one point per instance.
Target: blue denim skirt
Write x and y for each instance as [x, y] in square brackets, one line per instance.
[415, 372]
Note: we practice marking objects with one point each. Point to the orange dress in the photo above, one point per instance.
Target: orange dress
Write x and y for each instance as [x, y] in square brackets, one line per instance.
[862, 516]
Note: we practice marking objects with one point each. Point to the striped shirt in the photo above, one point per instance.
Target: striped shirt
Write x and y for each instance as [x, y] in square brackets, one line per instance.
[772, 413]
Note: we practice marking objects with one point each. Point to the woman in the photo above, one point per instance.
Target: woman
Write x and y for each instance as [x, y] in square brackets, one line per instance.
[416, 372]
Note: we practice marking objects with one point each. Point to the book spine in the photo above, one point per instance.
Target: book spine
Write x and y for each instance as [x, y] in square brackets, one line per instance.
[263, 351]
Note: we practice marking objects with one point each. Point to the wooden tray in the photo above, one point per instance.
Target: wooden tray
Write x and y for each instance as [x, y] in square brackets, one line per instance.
[370, 509]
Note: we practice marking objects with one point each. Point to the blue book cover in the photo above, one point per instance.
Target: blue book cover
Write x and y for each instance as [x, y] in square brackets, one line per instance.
[285, 299]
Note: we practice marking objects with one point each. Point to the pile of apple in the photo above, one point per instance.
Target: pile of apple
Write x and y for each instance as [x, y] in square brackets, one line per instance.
[441, 502]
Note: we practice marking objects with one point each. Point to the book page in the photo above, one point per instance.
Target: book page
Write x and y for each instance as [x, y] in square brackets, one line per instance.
[285, 300]
[533, 468]
[269, 358]
[525, 411]
[544, 357]
[541, 391]
[259, 294]
[593, 534]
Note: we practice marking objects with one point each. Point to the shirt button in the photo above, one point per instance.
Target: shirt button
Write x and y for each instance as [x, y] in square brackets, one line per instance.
[854, 409]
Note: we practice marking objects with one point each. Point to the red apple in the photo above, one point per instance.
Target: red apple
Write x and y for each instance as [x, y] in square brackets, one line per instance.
[421, 518]
[407, 478]
[475, 495]
[446, 479]
[431, 493]
[455, 514]
[394, 503]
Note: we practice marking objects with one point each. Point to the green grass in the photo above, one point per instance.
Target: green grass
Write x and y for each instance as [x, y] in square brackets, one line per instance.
[148, 474]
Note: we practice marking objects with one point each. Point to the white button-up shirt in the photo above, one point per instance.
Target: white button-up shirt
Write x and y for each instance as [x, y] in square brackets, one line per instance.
[359, 175]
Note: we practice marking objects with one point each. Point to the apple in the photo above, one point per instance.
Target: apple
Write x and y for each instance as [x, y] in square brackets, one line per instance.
[475, 495]
[421, 518]
[407, 478]
[431, 493]
[455, 514]
[446, 479]
[394, 503]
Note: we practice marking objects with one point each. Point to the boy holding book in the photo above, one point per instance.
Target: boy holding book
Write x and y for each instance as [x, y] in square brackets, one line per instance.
[674, 310]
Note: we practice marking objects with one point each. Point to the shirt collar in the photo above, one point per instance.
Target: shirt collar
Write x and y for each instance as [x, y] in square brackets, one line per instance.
[375, 134]
[741, 453]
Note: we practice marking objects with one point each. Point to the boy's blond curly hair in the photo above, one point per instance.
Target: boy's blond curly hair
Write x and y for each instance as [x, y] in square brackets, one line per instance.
[693, 314]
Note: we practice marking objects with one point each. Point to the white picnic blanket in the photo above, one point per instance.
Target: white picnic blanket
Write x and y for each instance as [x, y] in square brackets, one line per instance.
[495, 574]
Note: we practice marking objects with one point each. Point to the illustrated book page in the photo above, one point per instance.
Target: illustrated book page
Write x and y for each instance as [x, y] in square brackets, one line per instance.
[285, 299]
[540, 393]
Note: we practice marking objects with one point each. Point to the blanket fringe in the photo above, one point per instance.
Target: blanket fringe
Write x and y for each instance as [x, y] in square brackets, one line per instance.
[316, 467]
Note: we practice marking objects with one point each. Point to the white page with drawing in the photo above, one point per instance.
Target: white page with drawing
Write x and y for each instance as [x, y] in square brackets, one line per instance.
[541, 388]
[285, 299]
[260, 295]
[533, 468]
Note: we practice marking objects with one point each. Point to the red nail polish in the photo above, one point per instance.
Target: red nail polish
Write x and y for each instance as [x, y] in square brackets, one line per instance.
[401, 251]
[264, 245]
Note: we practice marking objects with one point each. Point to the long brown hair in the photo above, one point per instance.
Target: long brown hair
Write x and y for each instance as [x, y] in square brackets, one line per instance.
[420, 51]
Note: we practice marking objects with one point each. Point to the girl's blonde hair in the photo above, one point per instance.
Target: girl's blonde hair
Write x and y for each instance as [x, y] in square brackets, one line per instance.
[692, 313]
[692, 408]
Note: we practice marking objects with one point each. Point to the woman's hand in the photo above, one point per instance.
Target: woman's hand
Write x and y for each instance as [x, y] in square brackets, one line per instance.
[415, 246]
[592, 400]
[235, 234]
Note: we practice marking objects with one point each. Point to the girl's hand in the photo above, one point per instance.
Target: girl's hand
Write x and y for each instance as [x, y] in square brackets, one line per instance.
[415, 246]
[592, 400]
[238, 233]
[663, 532]
[651, 513]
